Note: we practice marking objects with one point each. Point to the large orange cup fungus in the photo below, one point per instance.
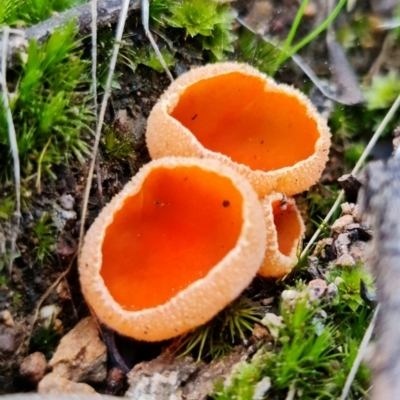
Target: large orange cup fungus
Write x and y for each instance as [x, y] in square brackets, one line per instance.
[285, 231]
[268, 132]
[181, 241]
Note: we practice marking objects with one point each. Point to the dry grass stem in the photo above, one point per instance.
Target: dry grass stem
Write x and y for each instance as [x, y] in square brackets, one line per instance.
[360, 355]
[145, 22]
[13, 143]
[107, 92]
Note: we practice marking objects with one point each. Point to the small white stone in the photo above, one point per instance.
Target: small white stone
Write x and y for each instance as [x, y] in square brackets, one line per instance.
[261, 388]
[66, 202]
[347, 208]
[273, 323]
[7, 318]
[48, 314]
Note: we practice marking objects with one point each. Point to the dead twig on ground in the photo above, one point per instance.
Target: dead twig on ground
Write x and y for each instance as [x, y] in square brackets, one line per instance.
[107, 93]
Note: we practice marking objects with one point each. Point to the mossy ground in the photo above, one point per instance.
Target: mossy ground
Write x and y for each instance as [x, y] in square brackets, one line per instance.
[54, 122]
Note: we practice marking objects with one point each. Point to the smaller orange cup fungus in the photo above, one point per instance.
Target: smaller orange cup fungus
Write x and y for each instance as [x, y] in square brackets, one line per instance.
[268, 132]
[285, 231]
[181, 241]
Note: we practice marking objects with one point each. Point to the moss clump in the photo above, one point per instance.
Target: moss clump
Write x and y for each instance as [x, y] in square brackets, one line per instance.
[227, 329]
[316, 344]
[206, 21]
[49, 107]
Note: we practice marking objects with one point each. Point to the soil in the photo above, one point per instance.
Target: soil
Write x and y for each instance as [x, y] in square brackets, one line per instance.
[128, 109]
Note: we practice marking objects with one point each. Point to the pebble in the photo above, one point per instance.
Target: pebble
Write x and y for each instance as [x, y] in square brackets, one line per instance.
[60, 216]
[347, 208]
[332, 291]
[67, 202]
[33, 368]
[48, 314]
[262, 388]
[357, 213]
[358, 250]
[339, 225]
[273, 322]
[342, 244]
[7, 342]
[289, 295]
[345, 260]
[317, 289]
[55, 384]
[260, 332]
[63, 291]
[81, 356]
[268, 301]
[115, 382]
[7, 318]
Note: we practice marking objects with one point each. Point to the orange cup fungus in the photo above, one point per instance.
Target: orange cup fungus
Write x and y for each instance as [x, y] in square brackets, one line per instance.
[285, 230]
[181, 241]
[268, 132]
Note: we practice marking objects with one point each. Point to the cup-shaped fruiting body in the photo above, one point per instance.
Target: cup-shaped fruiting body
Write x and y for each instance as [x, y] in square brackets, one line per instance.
[285, 231]
[268, 132]
[181, 241]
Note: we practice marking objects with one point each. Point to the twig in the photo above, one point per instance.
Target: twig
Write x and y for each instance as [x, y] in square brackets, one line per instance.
[107, 13]
[376, 66]
[94, 90]
[322, 87]
[12, 137]
[360, 355]
[107, 93]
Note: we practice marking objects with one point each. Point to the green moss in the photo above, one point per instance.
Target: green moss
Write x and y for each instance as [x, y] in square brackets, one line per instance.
[118, 145]
[44, 339]
[227, 329]
[383, 90]
[43, 238]
[255, 51]
[49, 107]
[313, 355]
[206, 21]
[348, 281]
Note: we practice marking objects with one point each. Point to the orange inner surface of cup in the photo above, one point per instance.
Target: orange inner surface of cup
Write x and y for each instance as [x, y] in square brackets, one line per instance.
[287, 226]
[234, 114]
[180, 224]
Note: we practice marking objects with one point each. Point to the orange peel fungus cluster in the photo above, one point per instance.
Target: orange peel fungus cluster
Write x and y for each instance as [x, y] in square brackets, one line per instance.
[181, 241]
[268, 132]
[189, 232]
